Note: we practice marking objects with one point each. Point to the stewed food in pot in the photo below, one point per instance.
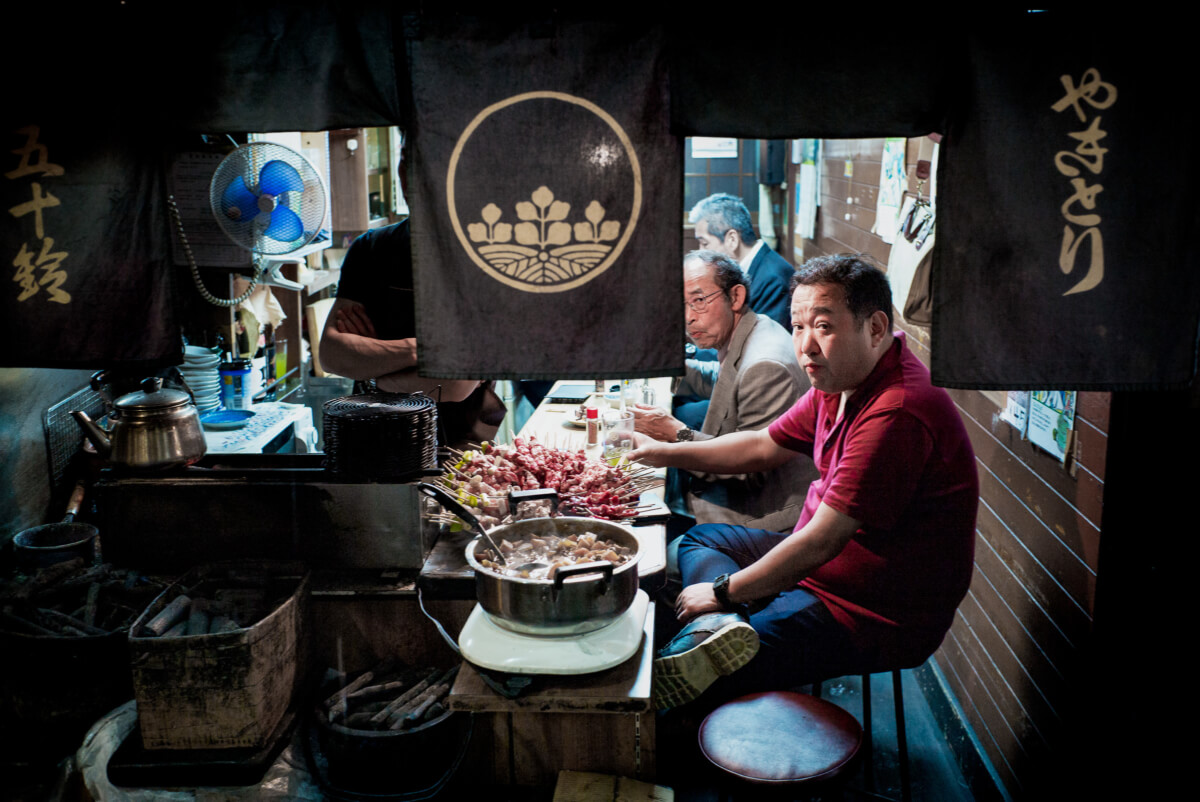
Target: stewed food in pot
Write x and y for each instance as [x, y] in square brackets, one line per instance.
[552, 552]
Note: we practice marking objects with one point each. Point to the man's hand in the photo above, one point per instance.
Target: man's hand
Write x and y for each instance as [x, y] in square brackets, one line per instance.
[696, 600]
[648, 451]
[655, 422]
[353, 319]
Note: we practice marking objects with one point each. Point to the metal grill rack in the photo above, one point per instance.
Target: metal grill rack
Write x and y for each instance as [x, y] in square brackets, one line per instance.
[63, 435]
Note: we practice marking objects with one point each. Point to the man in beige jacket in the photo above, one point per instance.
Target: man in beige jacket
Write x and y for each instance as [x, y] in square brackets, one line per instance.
[758, 380]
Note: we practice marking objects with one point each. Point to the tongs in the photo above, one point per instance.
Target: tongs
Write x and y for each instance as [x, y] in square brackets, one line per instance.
[451, 503]
[448, 501]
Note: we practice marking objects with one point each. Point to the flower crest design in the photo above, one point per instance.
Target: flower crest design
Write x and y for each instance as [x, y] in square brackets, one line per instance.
[543, 248]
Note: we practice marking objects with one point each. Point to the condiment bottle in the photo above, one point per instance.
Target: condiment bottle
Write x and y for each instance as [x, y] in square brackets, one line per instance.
[235, 384]
[593, 426]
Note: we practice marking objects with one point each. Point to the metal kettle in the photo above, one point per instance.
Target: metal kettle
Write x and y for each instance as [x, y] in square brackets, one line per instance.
[151, 429]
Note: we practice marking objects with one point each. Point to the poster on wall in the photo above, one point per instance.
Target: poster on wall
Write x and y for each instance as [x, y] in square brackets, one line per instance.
[808, 187]
[892, 183]
[1051, 419]
[1016, 411]
[711, 147]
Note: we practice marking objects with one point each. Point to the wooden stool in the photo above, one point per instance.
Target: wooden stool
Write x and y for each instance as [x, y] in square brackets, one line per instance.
[780, 739]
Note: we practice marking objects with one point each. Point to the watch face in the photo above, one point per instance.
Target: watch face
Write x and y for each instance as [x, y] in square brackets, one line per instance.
[683, 435]
[721, 588]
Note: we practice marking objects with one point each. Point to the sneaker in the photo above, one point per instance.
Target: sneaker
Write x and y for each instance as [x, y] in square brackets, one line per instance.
[710, 646]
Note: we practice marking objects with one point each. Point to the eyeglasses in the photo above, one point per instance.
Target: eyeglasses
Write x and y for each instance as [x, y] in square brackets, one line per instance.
[701, 303]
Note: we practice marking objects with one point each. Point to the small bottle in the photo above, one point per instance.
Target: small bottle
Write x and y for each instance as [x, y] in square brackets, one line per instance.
[593, 426]
[647, 393]
[269, 368]
[629, 394]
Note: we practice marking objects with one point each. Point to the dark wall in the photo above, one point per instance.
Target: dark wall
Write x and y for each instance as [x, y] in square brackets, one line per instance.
[25, 394]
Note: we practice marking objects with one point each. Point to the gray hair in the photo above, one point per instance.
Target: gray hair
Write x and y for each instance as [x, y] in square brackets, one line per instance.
[727, 273]
[722, 212]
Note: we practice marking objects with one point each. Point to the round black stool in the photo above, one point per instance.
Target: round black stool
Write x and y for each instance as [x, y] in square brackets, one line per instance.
[780, 740]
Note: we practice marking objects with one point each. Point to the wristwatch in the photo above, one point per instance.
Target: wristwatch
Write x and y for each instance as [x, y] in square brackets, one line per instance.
[721, 590]
[683, 435]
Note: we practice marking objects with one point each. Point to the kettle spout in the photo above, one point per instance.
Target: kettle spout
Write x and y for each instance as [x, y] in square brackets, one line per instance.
[93, 432]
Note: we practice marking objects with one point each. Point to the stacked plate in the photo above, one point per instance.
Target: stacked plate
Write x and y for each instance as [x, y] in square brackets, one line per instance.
[201, 373]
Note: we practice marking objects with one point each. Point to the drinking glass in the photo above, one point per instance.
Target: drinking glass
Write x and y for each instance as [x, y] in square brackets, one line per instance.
[618, 435]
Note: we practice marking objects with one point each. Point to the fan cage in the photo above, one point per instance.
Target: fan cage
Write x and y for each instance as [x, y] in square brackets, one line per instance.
[247, 163]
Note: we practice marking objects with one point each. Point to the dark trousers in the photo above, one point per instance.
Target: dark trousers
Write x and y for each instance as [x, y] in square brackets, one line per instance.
[800, 642]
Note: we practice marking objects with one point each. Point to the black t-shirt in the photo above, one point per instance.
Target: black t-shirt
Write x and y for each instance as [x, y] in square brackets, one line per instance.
[378, 273]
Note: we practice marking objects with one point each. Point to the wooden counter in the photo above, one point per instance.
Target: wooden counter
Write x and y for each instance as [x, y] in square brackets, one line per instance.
[446, 574]
[555, 424]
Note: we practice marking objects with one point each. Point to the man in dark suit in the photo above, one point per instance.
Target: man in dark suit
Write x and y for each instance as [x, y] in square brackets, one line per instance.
[723, 224]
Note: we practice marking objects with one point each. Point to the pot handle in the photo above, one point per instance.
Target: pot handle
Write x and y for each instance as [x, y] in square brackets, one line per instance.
[602, 567]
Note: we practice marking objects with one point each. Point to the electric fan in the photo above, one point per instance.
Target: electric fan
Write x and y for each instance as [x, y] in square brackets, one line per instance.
[270, 200]
[267, 198]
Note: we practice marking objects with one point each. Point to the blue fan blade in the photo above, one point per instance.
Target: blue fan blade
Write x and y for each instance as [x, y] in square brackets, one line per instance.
[237, 197]
[278, 177]
[285, 225]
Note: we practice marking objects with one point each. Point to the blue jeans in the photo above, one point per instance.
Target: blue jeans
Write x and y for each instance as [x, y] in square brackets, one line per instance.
[799, 640]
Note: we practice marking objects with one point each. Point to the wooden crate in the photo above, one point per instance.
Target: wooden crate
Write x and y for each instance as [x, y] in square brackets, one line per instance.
[602, 722]
[229, 689]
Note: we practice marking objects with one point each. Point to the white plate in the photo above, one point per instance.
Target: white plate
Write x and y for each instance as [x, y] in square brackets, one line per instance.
[487, 644]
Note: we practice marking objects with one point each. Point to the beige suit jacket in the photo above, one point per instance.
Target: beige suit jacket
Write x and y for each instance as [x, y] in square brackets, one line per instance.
[758, 381]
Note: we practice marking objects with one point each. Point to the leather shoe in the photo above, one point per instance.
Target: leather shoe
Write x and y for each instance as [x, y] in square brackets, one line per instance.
[710, 646]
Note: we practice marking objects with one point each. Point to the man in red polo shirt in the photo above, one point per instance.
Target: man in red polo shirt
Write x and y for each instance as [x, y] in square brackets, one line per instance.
[883, 551]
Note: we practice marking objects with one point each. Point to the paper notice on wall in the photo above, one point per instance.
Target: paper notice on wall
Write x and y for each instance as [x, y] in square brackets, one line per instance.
[808, 187]
[711, 147]
[1016, 411]
[1051, 419]
[892, 183]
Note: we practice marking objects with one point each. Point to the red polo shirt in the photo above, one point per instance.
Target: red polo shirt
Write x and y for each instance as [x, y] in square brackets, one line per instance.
[900, 462]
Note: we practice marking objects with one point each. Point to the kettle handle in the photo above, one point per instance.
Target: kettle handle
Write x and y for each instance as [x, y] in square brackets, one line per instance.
[177, 375]
[99, 383]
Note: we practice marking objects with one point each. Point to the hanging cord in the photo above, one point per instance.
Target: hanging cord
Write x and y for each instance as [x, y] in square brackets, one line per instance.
[187, 249]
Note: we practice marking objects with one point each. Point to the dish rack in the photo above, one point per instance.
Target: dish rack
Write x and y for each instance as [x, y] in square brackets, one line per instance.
[380, 437]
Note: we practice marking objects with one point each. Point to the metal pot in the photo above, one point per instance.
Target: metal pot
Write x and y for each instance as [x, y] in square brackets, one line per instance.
[48, 544]
[152, 429]
[580, 598]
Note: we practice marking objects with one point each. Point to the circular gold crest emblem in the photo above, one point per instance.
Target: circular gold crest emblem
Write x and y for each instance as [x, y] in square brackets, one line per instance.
[548, 213]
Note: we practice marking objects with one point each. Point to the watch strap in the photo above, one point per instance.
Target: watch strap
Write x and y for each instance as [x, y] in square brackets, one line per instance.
[721, 590]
